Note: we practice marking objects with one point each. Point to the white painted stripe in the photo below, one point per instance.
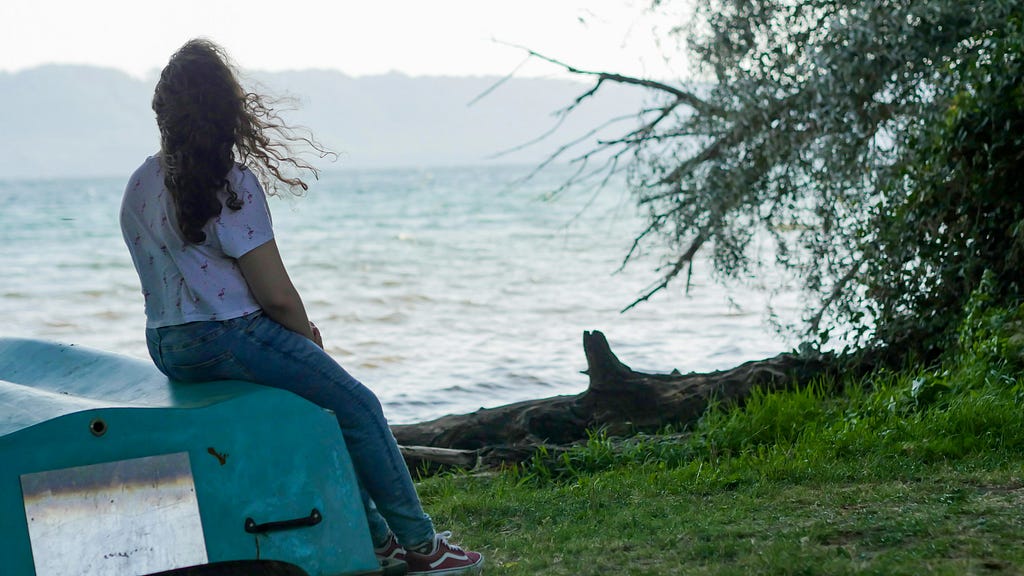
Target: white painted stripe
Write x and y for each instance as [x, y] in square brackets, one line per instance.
[446, 556]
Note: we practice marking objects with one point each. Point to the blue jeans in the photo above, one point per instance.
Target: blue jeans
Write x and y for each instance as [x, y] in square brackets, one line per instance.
[257, 349]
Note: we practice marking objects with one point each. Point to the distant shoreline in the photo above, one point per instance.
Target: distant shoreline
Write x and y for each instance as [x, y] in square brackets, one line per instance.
[82, 121]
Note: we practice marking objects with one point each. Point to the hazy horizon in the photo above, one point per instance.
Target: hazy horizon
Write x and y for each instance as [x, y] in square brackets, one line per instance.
[153, 74]
[68, 121]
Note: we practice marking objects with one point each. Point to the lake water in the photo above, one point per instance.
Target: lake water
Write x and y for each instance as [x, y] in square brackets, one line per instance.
[444, 289]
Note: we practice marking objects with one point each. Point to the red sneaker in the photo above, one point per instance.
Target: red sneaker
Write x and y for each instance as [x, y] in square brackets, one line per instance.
[391, 550]
[444, 560]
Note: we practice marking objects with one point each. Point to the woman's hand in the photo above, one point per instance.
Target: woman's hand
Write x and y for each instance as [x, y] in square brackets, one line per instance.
[317, 338]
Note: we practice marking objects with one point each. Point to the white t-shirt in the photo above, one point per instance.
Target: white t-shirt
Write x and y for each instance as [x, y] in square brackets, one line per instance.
[184, 282]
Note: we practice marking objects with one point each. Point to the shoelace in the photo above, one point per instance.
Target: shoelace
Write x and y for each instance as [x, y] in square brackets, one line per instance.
[444, 536]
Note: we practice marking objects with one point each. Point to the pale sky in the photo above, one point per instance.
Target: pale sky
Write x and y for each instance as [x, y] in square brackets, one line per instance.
[416, 37]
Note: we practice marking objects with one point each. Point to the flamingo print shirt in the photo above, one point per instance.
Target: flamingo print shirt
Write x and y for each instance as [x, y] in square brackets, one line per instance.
[184, 282]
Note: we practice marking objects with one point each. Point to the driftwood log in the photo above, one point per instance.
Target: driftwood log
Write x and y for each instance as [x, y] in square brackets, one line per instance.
[618, 399]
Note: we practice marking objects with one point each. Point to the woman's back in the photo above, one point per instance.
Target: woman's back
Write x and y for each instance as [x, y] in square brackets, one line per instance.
[184, 281]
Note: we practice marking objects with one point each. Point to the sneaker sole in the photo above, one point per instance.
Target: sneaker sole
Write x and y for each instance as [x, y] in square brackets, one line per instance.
[472, 570]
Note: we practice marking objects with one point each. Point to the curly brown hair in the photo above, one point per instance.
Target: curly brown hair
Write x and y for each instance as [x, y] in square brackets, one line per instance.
[207, 122]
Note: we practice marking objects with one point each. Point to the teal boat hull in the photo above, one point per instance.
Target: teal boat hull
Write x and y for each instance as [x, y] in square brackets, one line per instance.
[77, 423]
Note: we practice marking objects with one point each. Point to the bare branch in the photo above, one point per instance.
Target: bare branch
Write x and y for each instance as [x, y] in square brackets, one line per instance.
[683, 260]
[579, 99]
[609, 167]
[656, 221]
[626, 140]
[527, 144]
[565, 147]
[692, 162]
[495, 86]
[689, 98]
[663, 112]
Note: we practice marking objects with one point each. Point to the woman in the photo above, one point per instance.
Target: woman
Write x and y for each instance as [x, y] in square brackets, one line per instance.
[219, 303]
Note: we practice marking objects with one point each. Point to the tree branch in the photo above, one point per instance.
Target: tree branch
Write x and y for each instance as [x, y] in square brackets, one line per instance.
[689, 98]
[834, 295]
[680, 263]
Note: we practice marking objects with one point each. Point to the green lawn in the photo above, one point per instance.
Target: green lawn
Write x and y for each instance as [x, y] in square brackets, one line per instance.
[954, 518]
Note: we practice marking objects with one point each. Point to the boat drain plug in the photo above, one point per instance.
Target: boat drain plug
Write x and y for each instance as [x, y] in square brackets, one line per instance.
[98, 427]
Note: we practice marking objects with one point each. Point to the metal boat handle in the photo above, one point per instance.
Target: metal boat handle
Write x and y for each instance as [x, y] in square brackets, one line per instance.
[313, 519]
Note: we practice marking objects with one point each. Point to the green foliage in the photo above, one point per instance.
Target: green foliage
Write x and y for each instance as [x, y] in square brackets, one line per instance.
[953, 213]
[869, 147]
[990, 335]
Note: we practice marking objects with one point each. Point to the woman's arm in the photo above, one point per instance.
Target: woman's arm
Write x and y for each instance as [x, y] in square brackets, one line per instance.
[264, 271]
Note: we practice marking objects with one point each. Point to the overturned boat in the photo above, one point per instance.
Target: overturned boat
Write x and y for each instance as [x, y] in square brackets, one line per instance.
[109, 468]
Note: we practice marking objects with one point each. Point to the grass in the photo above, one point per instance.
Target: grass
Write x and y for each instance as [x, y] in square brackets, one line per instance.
[950, 520]
[919, 471]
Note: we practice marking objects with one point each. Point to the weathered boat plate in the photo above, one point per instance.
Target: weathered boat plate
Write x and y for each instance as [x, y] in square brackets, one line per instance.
[134, 516]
